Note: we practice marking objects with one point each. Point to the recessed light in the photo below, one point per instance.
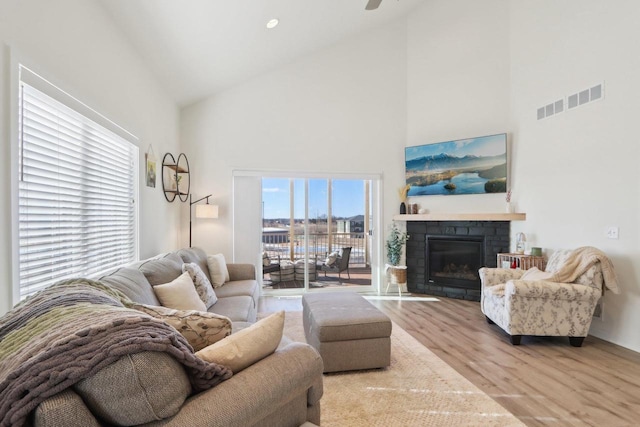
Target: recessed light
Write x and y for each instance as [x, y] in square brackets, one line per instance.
[272, 23]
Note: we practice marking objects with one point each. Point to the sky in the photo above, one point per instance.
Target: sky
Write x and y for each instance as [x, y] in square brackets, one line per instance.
[491, 145]
[348, 197]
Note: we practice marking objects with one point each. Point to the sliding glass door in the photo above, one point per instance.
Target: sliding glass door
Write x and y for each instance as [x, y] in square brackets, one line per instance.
[317, 233]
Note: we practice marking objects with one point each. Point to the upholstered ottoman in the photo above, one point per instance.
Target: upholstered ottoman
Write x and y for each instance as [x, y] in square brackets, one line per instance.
[348, 331]
[285, 274]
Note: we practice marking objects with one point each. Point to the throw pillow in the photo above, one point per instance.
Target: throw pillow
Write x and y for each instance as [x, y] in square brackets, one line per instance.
[331, 259]
[246, 347]
[179, 294]
[266, 261]
[132, 283]
[162, 270]
[200, 328]
[217, 270]
[136, 389]
[535, 273]
[202, 284]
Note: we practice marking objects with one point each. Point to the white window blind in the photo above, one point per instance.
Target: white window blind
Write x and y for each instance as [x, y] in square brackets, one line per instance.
[77, 189]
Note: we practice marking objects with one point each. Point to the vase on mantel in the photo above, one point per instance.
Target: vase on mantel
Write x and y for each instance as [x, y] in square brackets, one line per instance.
[509, 208]
[403, 208]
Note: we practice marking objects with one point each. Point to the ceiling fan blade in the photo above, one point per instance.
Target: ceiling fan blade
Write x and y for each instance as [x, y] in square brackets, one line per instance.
[373, 4]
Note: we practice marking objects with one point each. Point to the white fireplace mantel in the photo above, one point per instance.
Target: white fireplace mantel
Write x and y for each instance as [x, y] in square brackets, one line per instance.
[462, 217]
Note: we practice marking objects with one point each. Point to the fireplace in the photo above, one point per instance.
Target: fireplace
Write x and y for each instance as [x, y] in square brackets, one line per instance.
[469, 245]
[454, 261]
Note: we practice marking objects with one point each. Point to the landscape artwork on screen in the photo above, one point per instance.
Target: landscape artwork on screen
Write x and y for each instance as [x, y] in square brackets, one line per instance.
[466, 166]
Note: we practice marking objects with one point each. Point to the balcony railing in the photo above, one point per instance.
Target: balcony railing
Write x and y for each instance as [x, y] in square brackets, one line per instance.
[280, 245]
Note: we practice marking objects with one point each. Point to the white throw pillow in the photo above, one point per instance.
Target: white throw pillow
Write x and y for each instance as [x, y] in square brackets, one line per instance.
[179, 294]
[244, 348]
[217, 270]
[331, 259]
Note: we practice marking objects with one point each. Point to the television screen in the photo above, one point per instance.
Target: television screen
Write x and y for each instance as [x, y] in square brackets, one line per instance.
[465, 166]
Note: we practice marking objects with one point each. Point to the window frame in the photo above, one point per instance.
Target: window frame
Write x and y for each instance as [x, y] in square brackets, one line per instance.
[20, 72]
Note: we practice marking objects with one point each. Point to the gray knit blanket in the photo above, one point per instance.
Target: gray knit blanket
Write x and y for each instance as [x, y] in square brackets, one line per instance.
[70, 331]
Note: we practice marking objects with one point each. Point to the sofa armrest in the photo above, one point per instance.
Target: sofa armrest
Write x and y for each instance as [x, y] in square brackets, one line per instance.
[241, 272]
[64, 409]
[257, 391]
[496, 276]
[551, 290]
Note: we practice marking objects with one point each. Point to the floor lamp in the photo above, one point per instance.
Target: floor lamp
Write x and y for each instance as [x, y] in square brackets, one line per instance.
[202, 211]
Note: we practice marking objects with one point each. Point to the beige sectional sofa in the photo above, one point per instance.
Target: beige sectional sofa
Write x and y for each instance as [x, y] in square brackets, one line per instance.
[283, 389]
[237, 299]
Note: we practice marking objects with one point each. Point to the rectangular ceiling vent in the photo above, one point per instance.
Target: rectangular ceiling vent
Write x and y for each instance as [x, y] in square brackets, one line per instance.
[572, 101]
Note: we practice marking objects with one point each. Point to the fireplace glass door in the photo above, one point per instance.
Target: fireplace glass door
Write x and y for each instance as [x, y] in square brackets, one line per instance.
[455, 261]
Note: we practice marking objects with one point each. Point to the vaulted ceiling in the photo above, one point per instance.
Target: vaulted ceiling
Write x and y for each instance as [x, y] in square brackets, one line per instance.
[199, 47]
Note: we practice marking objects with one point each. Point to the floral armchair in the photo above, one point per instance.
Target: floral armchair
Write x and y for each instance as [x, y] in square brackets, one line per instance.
[556, 302]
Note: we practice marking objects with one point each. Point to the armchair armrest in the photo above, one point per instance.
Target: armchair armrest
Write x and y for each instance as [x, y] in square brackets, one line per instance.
[241, 272]
[497, 276]
[551, 290]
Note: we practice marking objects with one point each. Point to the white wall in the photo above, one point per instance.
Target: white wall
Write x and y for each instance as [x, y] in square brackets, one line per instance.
[456, 69]
[75, 45]
[577, 173]
[355, 106]
[342, 110]
[458, 83]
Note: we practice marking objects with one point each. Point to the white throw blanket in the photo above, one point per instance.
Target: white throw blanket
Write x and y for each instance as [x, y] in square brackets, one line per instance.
[579, 261]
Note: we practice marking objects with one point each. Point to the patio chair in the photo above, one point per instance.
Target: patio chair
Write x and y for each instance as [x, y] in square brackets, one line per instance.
[270, 266]
[340, 264]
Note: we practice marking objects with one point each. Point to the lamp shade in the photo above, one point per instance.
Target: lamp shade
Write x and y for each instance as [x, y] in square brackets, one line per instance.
[207, 211]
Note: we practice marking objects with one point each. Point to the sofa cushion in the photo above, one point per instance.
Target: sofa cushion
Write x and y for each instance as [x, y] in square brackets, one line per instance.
[202, 284]
[238, 326]
[241, 272]
[133, 284]
[180, 294]
[162, 270]
[200, 328]
[239, 308]
[217, 269]
[249, 288]
[136, 389]
[248, 346]
[197, 256]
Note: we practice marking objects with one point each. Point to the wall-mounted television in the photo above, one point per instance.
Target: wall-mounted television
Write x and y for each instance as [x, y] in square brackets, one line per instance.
[464, 166]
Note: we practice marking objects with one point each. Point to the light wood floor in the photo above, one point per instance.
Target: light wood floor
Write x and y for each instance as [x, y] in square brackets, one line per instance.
[544, 381]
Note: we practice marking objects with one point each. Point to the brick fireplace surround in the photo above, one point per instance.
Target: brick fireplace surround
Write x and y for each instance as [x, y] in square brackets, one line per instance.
[493, 234]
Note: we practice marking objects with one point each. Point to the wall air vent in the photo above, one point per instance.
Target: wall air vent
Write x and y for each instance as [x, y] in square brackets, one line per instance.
[551, 109]
[572, 101]
[585, 96]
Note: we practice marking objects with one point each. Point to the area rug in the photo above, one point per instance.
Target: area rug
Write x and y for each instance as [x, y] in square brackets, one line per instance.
[418, 389]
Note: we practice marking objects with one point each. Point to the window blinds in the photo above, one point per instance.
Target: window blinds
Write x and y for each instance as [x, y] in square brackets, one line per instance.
[77, 188]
